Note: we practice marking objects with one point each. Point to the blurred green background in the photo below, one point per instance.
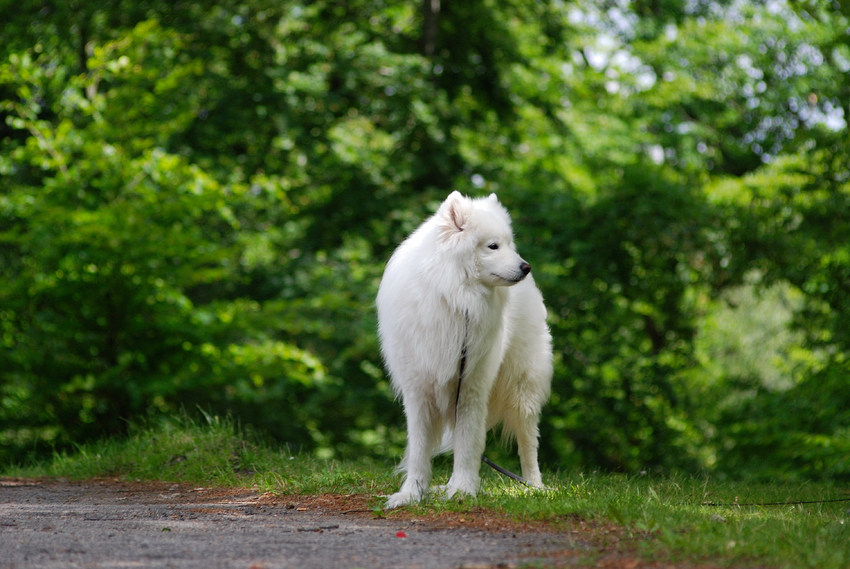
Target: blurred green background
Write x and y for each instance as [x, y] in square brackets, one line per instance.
[197, 200]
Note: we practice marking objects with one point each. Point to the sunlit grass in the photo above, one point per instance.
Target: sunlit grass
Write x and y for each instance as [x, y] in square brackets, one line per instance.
[685, 518]
[214, 452]
[677, 517]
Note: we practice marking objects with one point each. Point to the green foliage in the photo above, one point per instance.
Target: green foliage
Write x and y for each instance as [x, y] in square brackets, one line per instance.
[196, 203]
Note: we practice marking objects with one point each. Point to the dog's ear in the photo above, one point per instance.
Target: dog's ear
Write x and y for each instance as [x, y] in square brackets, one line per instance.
[493, 198]
[454, 213]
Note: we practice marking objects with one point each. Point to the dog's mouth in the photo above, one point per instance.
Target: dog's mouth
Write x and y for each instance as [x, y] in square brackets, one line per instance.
[524, 269]
[514, 279]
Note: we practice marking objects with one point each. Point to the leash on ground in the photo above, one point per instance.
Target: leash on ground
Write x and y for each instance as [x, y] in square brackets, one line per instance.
[759, 504]
[505, 471]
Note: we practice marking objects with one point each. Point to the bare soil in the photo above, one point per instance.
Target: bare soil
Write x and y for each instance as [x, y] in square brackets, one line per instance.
[112, 523]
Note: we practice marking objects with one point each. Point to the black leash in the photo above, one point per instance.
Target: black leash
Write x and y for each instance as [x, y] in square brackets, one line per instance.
[460, 377]
[462, 365]
[757, 504]
[505, 471]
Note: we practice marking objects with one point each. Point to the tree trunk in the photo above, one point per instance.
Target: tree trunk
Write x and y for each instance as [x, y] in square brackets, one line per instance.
[430, 12]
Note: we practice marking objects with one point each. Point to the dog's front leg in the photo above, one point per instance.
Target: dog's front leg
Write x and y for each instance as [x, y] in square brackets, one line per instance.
[469, 439]
[423, 430]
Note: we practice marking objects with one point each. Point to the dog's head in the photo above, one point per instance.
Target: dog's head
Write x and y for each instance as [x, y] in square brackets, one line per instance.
[479, 232]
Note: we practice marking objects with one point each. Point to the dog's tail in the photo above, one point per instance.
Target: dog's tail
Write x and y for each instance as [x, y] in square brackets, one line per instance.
[444, 447]
[446, 443]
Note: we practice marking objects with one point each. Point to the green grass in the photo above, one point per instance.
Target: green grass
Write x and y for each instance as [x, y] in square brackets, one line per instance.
[214, 452]
[661, 517]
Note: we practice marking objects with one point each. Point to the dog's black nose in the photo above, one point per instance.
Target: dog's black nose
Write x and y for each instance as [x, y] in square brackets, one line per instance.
[525, 268]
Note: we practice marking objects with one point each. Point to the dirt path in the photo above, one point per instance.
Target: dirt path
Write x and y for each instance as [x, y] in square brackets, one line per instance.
[108, 523]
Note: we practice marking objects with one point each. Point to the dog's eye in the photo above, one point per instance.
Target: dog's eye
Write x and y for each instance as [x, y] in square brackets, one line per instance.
[493, 246]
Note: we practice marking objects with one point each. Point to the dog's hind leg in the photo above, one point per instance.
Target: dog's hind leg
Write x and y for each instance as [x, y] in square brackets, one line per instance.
[527, 435]
[424, 429]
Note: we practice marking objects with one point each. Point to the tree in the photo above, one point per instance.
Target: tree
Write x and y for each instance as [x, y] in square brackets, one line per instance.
[197, 201]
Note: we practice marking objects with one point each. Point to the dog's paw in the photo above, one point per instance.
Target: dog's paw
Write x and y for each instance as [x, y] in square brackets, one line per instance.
[400, 499]
[461, 488]
[535, 483]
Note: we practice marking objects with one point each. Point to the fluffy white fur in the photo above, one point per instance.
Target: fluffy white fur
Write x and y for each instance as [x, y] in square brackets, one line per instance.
[458, 282]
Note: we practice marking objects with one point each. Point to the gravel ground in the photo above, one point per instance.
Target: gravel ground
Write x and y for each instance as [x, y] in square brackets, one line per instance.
[108, 523]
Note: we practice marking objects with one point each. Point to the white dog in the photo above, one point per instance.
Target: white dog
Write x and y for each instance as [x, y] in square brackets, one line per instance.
[463, 334]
